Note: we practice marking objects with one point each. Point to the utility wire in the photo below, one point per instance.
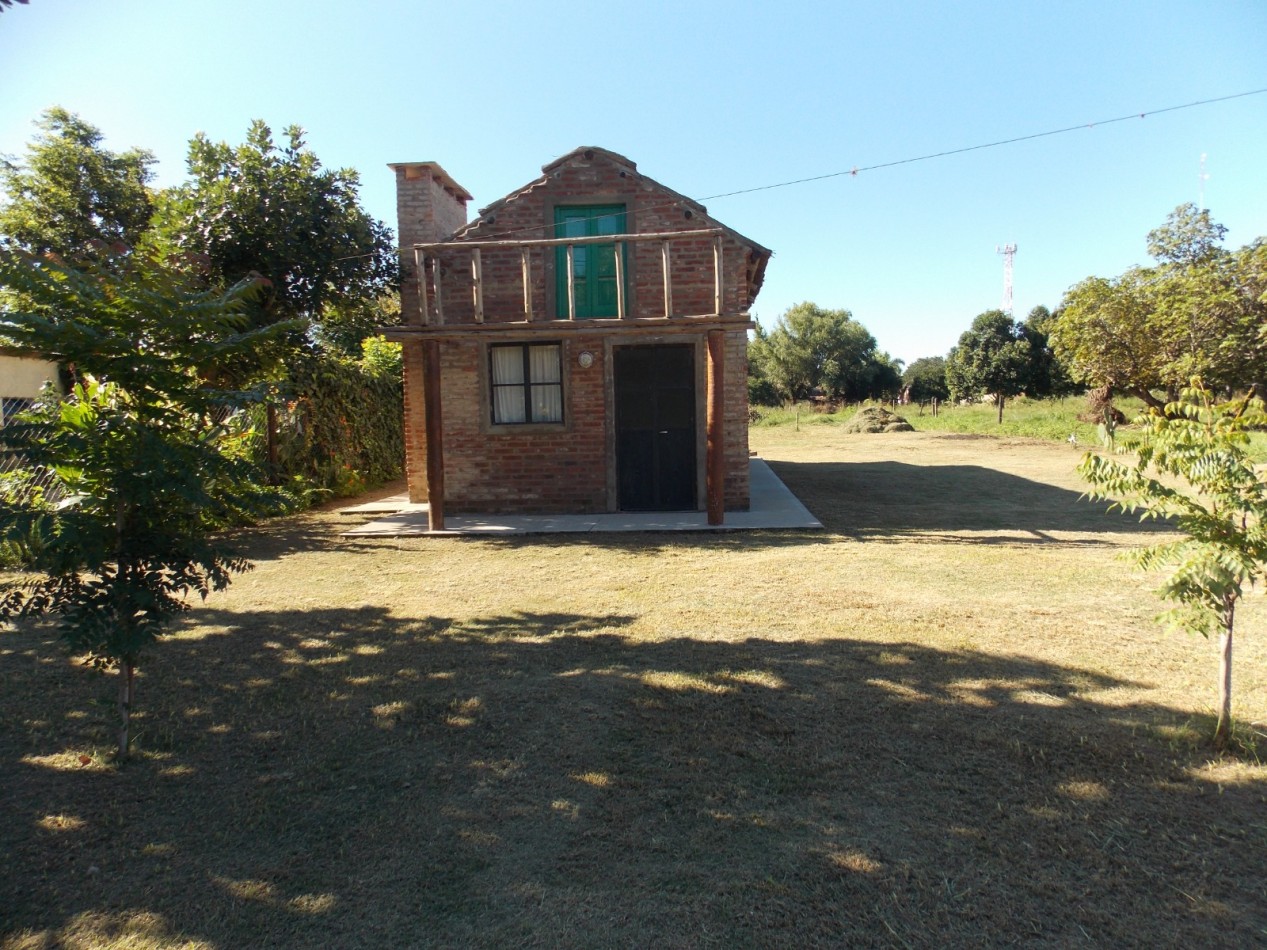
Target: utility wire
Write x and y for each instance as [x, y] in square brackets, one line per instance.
[853, 172]
[974, 148]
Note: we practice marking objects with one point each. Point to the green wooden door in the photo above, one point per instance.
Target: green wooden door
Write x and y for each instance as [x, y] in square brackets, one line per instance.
[594, 265]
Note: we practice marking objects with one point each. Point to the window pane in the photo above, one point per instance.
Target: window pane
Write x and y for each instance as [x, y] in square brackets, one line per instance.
[544, 364]
[508, 364]
[508, 404]
[547, 403]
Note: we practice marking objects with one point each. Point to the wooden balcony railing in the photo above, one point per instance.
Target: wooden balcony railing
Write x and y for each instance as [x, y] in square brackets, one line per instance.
[427, 261]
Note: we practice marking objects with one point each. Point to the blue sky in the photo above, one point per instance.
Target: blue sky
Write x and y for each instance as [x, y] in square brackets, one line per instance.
[712, 97]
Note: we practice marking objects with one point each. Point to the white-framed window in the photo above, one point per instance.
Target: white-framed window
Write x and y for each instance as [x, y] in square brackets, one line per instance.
[527, 382]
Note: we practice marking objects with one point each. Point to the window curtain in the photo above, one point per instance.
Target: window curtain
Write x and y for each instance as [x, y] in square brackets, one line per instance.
[547, 388]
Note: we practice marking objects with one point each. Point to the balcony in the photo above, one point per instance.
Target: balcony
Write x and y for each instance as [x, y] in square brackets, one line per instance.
[513, 283]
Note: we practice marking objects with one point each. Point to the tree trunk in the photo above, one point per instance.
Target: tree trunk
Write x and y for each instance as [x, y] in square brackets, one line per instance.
[127, 693]
[999, 398]
[1223, 731]
[1149, 399]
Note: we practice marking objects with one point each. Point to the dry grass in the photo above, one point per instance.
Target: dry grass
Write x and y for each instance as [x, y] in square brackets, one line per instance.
[947, 721]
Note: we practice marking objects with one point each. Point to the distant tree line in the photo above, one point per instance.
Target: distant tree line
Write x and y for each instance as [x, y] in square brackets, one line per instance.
[1199, 312]
[812, 352]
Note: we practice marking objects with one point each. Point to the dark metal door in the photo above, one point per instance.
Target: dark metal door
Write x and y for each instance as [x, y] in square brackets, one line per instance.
[655, 428]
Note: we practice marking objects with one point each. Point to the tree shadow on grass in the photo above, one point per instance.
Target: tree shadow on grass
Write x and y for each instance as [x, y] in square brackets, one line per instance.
[347, 777]
[897, 501]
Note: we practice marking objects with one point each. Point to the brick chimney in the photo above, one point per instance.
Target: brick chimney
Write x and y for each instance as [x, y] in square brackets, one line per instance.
[430, 206]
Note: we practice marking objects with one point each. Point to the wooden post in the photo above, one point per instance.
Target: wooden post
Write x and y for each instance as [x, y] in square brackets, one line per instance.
[717, 269]
[435, 274]
[420, 268]
[571, 282]
[435, 434]
[527, 272]
[620, 279]
[477, 285]
[716, 453]
[668, 282]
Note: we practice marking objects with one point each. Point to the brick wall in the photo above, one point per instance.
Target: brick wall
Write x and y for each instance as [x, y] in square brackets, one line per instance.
[514, 469]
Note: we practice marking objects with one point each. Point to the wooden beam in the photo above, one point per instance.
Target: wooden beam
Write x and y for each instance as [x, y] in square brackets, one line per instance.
[561, 242]
[716, 452]
[435, 434]
[435, 275]
[420, 270]
[477, 285]
[527, 275]
[668, 279]
[571, 282]
[717, 269]
[542, 329]
[620, 281]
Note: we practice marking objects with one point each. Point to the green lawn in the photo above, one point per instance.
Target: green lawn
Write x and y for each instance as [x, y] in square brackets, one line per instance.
[948, 720]
[1047, 419]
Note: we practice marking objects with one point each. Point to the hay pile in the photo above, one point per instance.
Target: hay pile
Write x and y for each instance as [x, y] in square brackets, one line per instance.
[877, 419]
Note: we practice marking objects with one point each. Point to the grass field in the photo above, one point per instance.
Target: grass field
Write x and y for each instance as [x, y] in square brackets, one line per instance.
[946, 721]
[1053, 420]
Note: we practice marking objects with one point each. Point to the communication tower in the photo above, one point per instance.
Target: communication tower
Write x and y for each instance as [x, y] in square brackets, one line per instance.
[1008, 251]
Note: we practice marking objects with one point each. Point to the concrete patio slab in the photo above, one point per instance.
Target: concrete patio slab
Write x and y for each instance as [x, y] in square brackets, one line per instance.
[772, 505]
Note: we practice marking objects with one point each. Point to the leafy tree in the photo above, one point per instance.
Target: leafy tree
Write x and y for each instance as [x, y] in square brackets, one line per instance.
[992, 357]
[71, 192]
[881, 378]
[1221, 511]
[1047, 375]
[926, 379]
[275, 211]
[144, 471]
[1199, 312]
[813, 349]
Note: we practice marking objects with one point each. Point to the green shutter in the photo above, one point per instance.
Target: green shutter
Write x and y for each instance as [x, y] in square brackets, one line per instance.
[594, 265]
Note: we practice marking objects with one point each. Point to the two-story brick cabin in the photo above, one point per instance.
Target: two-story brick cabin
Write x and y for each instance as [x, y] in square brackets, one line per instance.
[580, 347]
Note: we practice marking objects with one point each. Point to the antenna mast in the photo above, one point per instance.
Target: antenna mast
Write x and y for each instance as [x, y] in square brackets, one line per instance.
[1202, 177]
[1008, 251]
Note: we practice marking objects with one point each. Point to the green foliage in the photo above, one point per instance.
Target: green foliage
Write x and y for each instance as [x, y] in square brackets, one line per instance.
[341, 427]
[812, 350]
[993, 357]
[1200, 312]
[926, 379]
[137, 461]
[275, 211]
[1048, 375]
[71, 192]
[345, 327]
[1220, 509]
[381, 357]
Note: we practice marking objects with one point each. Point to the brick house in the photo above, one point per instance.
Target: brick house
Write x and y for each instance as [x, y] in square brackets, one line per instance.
[579, 347]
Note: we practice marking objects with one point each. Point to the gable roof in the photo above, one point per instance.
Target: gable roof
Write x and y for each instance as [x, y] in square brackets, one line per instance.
[588, 153]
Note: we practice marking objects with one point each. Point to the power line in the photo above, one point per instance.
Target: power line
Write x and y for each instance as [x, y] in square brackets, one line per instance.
[856, 170]
[974, 148]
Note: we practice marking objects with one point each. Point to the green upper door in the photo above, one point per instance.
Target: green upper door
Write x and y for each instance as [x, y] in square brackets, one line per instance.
[593, 265]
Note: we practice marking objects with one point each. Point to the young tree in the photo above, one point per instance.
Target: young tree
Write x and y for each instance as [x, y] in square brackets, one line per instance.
[71, 192]
[1221, 512]
[144, 472]
[992, 357]
[275, 211]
